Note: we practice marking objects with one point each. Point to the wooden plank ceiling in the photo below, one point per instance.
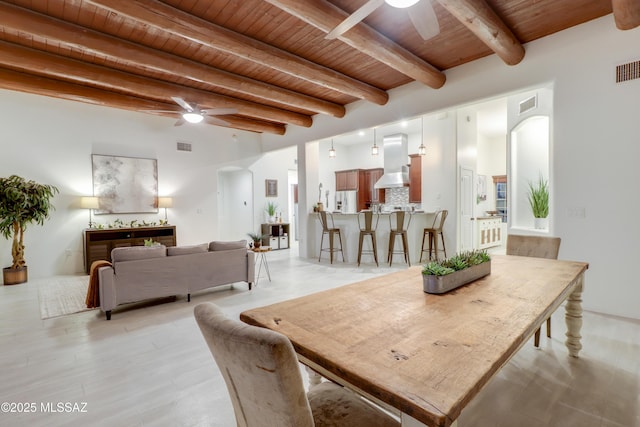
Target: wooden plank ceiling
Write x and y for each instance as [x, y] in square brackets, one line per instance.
[267, 60]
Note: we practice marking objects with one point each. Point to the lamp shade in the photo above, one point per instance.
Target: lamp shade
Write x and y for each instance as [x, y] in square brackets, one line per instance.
[89, 202]
[165, 202]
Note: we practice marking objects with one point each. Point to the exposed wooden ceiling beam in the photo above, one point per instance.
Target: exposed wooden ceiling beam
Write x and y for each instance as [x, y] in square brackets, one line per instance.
[25, 59]
[196, 30]
[22, 82]
[626, 13]
[326, 16]
[478, 17]
[134, 57]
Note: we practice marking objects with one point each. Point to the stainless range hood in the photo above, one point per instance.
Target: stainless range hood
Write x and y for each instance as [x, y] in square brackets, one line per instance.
[396, 156]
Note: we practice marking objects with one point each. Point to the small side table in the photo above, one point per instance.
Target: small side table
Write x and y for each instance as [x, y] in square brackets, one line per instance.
[261, 252]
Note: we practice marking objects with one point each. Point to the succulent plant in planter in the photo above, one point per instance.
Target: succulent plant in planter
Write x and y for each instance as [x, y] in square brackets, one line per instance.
[257, 238]
[22, 203]
[442, 276]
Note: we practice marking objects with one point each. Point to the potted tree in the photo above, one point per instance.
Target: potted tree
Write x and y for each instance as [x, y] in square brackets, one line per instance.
[22, 202]
[538, 197]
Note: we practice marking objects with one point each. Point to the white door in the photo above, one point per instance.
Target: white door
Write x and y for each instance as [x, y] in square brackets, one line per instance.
[466, 209]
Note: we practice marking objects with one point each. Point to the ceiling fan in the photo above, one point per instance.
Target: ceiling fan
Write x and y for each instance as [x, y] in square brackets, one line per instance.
[422, 16]
[192, 114]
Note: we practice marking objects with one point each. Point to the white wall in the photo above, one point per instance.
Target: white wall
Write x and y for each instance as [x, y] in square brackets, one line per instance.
[594, 144]
[51, 141]
[492, 160]
[272, 165]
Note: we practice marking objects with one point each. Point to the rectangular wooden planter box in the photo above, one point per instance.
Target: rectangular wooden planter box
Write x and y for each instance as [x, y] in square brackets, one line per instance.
[442, 284]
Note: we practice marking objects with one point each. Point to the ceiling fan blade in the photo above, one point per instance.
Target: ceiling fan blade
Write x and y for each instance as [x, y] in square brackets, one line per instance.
[162, 111]
[180, 122]
[216, 121]
[184, 104]
[219, 111]
[424, 19]
[354, 19]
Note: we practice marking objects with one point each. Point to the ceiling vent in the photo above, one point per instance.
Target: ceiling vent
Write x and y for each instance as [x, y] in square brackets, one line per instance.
[528, 104]
[629, 71]
[184, 146]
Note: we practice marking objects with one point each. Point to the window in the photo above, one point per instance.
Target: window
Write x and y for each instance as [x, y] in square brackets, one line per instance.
[500, 184]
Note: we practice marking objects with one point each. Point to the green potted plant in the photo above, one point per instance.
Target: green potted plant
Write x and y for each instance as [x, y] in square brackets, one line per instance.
[538, 197]
[257, 238]
[442, 276]
[22, 203]
[271, 211]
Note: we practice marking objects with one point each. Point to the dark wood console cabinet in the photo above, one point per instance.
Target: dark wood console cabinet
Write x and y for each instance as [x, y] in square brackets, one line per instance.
[99, 243]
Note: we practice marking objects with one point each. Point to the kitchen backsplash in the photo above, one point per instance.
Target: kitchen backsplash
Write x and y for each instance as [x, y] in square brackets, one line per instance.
[398, 196]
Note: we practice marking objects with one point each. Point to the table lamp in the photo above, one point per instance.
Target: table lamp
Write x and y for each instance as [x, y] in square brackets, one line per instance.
[91, 203]
[165, 202]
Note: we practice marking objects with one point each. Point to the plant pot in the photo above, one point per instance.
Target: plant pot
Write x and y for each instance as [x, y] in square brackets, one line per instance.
[441, 284]
[257, 243]
[541, 223]
[14, 276]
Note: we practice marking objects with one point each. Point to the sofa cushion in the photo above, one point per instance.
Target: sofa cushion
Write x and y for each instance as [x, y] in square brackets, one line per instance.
[186, 250]
[138, 252]
[225, 246]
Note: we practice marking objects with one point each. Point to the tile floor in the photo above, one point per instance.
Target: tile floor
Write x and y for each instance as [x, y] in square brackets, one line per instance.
[149, 365]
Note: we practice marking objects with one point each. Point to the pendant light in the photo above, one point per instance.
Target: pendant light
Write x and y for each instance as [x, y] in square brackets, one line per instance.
[374, 148]
[332, 151]
[422, 150]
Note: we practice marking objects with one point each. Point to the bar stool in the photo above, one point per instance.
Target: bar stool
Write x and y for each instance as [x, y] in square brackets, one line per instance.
[432, 234]
[368, 228]
[330, 230]
[399, 222]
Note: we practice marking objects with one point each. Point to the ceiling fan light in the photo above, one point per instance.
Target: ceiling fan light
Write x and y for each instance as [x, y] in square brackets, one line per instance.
[401, 4]
[192, 117]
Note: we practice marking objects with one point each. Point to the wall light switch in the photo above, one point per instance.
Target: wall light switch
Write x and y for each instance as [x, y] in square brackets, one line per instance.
[577, 212]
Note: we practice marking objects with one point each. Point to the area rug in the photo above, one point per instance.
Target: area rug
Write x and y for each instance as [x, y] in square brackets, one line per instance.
[63, 295]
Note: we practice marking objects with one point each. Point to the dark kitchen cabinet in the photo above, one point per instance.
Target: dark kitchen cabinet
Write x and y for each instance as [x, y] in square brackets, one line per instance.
[415, 179]
[347, 180]
[372, 176]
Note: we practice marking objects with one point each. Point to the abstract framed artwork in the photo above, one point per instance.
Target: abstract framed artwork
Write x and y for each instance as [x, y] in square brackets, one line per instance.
[271, 187]
[125, 184]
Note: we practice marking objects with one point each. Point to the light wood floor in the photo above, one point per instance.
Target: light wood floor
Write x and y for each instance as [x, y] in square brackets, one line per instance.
[149, 366]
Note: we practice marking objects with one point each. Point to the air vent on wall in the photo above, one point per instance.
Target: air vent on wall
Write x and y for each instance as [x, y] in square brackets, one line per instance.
[528, 104]
[628, 71]
[184, 146]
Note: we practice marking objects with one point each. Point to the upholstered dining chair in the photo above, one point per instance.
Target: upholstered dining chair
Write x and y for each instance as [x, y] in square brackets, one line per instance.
[263, 378]
[537, 247]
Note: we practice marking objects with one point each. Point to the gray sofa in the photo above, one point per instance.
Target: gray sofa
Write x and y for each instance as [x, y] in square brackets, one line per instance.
[138, 273]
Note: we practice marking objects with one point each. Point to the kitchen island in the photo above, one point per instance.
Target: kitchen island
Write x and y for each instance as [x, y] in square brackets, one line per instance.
[348, 225]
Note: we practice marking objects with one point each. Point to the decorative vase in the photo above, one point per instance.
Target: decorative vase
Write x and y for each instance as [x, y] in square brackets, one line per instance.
[541, 223]
[14, 276]
[440, 284]
[256, 243]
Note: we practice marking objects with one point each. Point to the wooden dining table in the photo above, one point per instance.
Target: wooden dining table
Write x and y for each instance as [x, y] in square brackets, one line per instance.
[425, 356]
